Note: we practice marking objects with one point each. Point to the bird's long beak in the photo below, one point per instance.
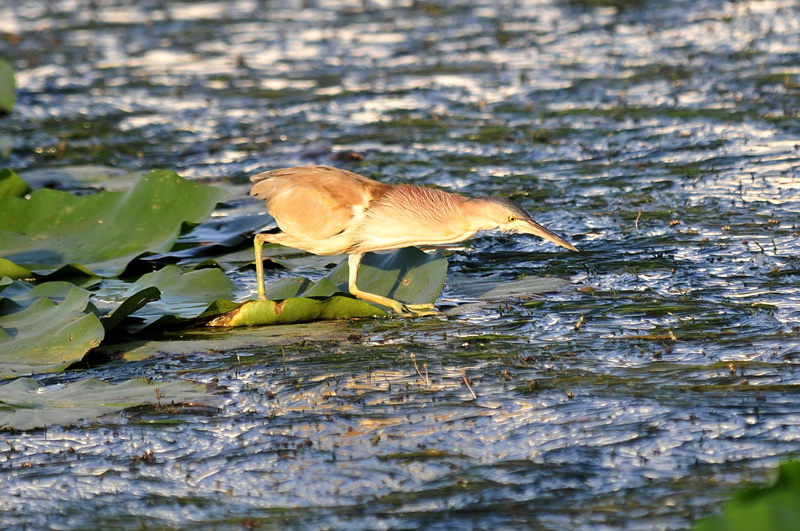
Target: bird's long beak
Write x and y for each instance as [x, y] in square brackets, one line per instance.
[531, 227]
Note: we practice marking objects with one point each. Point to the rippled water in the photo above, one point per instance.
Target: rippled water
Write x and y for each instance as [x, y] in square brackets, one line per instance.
[661, 137]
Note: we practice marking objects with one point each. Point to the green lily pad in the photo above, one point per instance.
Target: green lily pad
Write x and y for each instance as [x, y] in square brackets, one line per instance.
[192, 286]
[495, 287]
[774, 507]
[227, 231]
[26, 405]
[183, 295]
[296, 310]
[214, 340]
[12, 185]
[103, 231]
[129, 306]
[218, 238]
[288, 287]
[8, 84]
[5, 282]
[12, 270]
[38, 334]
[408, 275]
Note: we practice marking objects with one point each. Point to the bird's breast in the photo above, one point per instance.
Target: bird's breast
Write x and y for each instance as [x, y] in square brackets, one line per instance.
[396, 234]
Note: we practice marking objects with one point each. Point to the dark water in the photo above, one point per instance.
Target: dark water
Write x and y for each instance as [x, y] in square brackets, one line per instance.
[662, 138]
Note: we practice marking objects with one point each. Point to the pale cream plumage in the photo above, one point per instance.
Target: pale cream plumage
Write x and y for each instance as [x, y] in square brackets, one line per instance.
[326, 211]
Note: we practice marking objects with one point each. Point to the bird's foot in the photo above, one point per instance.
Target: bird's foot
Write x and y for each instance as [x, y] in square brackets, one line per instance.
[409, 310]
[401, 309]
[398, 308]
[418, 310]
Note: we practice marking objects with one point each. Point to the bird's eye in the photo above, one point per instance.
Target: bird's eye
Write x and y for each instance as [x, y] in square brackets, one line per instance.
[512, 219]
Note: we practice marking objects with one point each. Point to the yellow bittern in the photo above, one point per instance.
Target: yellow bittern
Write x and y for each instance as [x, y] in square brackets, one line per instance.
[327, 211]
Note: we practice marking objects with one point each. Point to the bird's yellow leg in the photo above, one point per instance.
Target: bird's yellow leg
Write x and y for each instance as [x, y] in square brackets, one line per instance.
[353, 262]
[258, 243]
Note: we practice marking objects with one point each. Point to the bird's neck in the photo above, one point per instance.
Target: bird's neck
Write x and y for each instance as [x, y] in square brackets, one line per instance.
[473, 218]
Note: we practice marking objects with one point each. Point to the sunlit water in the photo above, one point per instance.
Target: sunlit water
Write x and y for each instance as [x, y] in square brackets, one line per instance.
[661, 137]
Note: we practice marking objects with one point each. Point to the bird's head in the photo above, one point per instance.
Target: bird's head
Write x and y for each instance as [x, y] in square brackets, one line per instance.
[508, 216]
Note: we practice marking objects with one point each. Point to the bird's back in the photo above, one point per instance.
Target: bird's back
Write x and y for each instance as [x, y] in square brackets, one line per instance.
[315, 202]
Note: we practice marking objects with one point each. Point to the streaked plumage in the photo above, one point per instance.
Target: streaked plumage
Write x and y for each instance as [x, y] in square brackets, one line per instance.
[326, 211]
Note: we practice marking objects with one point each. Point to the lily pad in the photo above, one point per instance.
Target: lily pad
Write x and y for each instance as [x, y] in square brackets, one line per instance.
[103, 231]
[227, 231]
[183, 295]
[408, 275]
[288, 287]
[26, 405]
[774, 507]
[38, 334]
[11, 270]
[296, 310]
[220, 238]
[46, 328]
[8, 84]
[213, 341]
[12, 185]
[495, 287]
[129, 306]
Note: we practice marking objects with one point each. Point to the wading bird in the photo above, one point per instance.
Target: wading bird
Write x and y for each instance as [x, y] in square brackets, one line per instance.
[328, 211]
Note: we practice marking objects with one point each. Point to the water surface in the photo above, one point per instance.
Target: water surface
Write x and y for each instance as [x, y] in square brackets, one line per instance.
[659, 137]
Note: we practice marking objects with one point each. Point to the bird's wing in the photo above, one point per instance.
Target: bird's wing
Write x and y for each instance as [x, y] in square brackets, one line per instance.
[315, 202]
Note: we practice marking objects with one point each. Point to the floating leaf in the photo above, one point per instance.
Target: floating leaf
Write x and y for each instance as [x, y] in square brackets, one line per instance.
[12, 185]
[183, 295]
[227, 231]
[288, 287]
[408, 275]
[26, 405]
[104, 231]
[38, 334]
[7, 86]
[193, 341]
[216, 238]
[774, 507]
[296, 310]
[192, 286]
[497, 287]
[129, 306]
[12, 270]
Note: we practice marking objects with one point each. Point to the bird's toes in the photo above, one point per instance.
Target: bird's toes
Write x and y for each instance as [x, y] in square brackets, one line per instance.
[427, 306]
[420, 310]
